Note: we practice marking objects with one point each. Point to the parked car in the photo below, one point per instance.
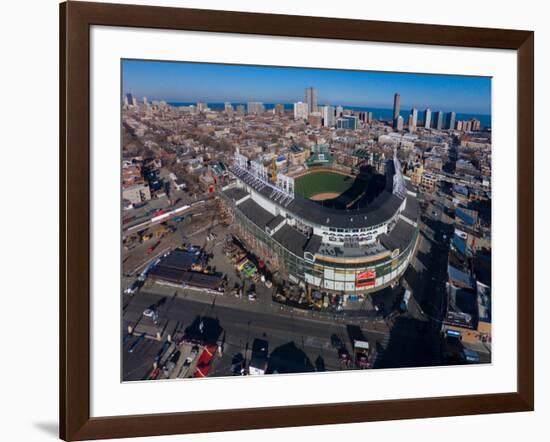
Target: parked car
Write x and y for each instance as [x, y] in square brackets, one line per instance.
[149, 312]
[152, 248]
[155, 373]
[344, 356]
[134, 287]
[136, 343]
[171, 364]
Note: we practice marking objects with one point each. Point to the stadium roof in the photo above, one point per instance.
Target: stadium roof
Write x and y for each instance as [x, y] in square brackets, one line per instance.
[399, 237]
[381, 209]
[313, 244]
[235, 193]
[291, 239]
[298, 243]
[255, 213]
[412, 209]
[275, 222]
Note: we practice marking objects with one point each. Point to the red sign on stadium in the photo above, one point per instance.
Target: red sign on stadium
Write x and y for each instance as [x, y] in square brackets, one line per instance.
[365, 279]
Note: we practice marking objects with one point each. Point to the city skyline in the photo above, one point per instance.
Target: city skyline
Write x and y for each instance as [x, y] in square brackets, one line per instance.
[238, 83]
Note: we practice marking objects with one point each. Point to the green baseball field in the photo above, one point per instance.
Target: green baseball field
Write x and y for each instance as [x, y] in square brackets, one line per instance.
[322, 185]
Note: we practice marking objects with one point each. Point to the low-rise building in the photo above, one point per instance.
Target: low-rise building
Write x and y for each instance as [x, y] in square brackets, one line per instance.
[428, 182]
[136, 193]
[297, 155]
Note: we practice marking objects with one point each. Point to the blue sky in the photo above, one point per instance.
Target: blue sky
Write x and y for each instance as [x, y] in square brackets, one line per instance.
[179, 81]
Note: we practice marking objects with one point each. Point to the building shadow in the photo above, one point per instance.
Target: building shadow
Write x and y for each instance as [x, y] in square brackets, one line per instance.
[320, 364]
[288, 358]
[203, 330]
[411, 344]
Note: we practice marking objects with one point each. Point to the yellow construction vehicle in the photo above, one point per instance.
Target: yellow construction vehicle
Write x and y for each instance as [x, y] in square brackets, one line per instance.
[163, 231]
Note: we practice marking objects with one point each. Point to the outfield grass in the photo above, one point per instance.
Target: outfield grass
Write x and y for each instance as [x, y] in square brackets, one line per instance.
[322, 182]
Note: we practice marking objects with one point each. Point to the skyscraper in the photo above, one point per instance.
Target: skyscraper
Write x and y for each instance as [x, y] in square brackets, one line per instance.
[428, 118]
[414, 122]
[255, 107]
[129, 98]
[396, 108]
[339, 111]
[228, 108]
[439, 120]
[279, 109]
[450, 120]
[311, 98]
[301, 111]
[202, 107]
[328, 116]
[315, 119]
[399, 123]
[347, 122]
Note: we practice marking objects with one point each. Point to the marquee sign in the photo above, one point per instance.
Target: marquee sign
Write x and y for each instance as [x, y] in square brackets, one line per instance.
[366, 279]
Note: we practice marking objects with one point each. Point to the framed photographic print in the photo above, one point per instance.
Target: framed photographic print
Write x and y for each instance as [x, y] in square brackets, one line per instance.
[274, 220]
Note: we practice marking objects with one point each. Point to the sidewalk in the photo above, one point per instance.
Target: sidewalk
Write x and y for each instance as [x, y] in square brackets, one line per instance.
[479, 347]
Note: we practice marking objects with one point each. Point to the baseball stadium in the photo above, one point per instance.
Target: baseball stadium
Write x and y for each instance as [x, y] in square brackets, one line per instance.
[327, 227]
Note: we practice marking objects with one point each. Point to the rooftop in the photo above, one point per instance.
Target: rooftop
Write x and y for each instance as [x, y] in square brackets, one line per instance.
[255, 213]
[462, 306]
[291, 239]
[399, 237]
[275, 222]
[235, 193]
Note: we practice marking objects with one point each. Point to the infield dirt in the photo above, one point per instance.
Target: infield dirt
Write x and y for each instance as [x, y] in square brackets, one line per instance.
[324, 196]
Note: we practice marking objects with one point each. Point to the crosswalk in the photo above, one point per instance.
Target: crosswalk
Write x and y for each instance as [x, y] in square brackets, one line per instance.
[317, 343]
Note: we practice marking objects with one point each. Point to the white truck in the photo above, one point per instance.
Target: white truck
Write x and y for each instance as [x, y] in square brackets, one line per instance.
[405, 303]
[258, 359]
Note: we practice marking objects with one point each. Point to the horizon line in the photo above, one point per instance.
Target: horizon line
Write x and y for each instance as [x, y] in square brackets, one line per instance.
[433, 109]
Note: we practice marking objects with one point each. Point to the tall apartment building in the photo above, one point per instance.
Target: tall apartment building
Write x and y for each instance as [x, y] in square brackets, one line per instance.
[327, 113]
[301, 111]
[428, 118]
[310, 97]
[396, 108]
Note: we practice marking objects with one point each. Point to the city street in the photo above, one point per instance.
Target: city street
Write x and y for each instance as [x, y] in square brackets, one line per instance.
[296, 343]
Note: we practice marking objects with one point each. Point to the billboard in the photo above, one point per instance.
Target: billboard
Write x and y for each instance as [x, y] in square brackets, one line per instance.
[365, 279]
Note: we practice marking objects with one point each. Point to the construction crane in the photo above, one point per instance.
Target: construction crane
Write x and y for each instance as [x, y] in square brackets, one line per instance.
[273, 170]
